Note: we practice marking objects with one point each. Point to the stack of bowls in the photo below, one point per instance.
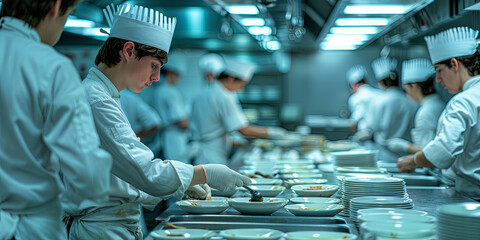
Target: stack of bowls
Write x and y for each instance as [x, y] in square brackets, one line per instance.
[377, 202]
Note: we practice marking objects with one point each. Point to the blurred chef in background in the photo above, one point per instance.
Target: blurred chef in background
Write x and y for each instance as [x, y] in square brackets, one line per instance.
[392, 113]
[216, 113]
[46, 125]
[418, 81]
[131, 58]
[362, 95]
[211, 65]
[454, 54]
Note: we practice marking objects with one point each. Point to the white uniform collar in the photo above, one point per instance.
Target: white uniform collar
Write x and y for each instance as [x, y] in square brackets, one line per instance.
[395, 88]
[112, 90]
[17, 25]
[471, 82]
[429, 98]
[222, 88]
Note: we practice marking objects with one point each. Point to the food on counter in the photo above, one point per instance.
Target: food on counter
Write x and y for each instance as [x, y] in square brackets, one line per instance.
[313, 188]
[251, 175]
[174, 226]
[175, 235]
[209, 198]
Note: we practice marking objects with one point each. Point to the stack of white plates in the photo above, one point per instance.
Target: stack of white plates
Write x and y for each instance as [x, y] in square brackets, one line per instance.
[353, 187]
[395, 230]
[458, 221]
[377, 202]
[357, 158]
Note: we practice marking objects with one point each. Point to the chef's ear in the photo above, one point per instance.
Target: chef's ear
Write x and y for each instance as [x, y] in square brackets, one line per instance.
[393, 76]
[128, 50]
[55, 9]
[454, 63]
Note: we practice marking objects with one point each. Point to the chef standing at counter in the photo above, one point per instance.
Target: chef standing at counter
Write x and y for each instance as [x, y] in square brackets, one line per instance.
[456, 59]
[131, 58]
[417, 79]
[46, 124]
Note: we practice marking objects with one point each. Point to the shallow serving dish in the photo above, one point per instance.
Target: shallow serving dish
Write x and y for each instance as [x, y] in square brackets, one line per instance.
[315, 200]
[267, 207]
[319, 235]
[268, 190]
[315, 190]
[203, 206]
[251, 234]
[191, 234]
[315, 209]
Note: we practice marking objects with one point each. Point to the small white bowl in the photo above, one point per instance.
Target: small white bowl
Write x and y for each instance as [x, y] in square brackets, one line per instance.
[203, 206]
[251, 233]
[292, 182]
[315, 200]
[268, 190]
[267, 207]
[321, 235]
[218, 193]
[315, 209]
[315, 190]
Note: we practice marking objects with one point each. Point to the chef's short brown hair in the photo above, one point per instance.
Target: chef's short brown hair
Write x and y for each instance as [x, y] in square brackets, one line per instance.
[32, 11]
[110, 52]
[391, 80]
[471, 63]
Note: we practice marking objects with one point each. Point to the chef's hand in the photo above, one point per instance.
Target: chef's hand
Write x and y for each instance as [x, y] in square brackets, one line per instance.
[362, 136]
[223, 178]
[398, 145]
[276, 133]
[406, 164]
[199, 191]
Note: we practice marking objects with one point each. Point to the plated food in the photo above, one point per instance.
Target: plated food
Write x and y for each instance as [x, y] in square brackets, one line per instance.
[191, 234]
[268, 190]
[315, 190]
[267, 207]
[251, 234]
[315, 209]
[203, 206]
[315, 200]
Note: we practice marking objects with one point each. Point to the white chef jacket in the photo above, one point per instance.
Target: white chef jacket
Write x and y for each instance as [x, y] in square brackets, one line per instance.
[153, 142]
[134, 169]
[392, 116]
[139, 114]
[457, 142]
[215, 114]
[46, 126]
[359, 103]
[426, 120]
[171, 107]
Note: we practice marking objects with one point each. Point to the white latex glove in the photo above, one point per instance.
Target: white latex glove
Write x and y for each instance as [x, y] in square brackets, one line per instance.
[223, 178]
[398, 145]
[199, 191]
[276, 133]
[362, 136]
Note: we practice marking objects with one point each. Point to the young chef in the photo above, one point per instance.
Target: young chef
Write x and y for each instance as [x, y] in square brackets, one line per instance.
[46, 124]
[211, 65]
[455, 56]
[362, 95]
[216, 113]
[131, 58]
[417, 79]
[392, 113]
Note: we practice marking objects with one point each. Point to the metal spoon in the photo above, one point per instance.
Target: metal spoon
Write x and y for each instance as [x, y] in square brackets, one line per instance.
[256, 196]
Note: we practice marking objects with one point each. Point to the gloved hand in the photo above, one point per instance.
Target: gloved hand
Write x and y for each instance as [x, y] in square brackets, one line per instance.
[362, 136]
[398, 145]
[199, 191]
[223, 178]
[276, 133]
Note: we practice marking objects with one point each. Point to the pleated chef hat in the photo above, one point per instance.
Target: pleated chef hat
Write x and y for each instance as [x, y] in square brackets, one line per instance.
[140, 24]
[383, 67]
[416, 70]
[211, 63]
[356, 74]
[238, 69]
[454, 42]
[176, 63]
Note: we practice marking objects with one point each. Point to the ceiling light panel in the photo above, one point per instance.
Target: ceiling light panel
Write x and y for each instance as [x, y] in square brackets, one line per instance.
[252, 21]
[355, 30]
[361, 22]
[242, 9]
[377, 9]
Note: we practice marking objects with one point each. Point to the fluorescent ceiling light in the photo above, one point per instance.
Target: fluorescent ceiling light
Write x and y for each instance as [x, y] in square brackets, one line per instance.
[377, 9]
[325, 46]
[252, 21]
[352, 37]
[273, 45]
[266, 30]
[242, 9]
[362, 22]
[354, 30]
[77, 22]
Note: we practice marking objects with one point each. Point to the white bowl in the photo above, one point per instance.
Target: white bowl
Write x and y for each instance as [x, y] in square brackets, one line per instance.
[302, 175]
[315, 200]
[266, 181]
[203, 206]
[320, 235]
[218, 193]
[191, 234]
[267, 207]
[251, 233]
[268, 190]
[314, 190]
[300, 181]
[315, 209]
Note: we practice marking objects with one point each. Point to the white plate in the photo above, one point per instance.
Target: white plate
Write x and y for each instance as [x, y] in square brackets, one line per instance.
[266, 181]
[399, 230]
[311, 191]
[370, 200]
[295, 166]
[315, 209]
[302, 175]
[203, 206]
[268, 190]
[461, 209]
[392, 211]
[385, 217]
[359, 169]
[251, 233]
[374, 180]
[298, 170]
[191, 234]
[319, 235]
[314, 200]
[291, 182]
[267, 207]
[216, 192]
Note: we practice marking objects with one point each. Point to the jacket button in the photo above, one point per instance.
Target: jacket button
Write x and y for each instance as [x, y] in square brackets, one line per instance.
[132, 145]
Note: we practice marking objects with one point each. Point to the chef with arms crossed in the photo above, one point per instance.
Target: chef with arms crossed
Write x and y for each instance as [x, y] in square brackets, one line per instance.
[454, 54]
[131, 58]
[46, 124]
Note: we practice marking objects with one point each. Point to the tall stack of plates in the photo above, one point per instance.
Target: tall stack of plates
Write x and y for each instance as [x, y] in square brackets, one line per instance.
[353, 187]
[377, 202]
[357, 158]
[458, 221]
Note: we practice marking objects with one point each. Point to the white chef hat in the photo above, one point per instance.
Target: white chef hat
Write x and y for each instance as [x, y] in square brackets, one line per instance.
[140, 24]
[211, 63]
[417, 70]
[176, 63]
[454, 42]
[356, 74]
[383, 67]
[239, 69]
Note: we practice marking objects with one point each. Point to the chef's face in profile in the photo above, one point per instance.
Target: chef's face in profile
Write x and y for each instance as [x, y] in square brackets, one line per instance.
[57, 19]
[237, 84]
[144, 72]
[448, 77]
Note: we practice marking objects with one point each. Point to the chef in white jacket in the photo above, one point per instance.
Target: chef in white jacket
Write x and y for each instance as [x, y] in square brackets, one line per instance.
[131, 58]
[211, 65]
[362, 95]
[392, 113]
[216, 113]
[143, 119]
[46, 125]
[418, 81]
[454, 54]
[170, 105]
